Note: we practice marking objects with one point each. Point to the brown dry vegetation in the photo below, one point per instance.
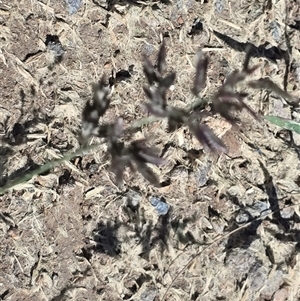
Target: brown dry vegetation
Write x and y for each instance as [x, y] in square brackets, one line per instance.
[71, 233]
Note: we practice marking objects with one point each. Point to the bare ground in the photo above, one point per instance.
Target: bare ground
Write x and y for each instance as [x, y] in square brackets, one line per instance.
[71, 233]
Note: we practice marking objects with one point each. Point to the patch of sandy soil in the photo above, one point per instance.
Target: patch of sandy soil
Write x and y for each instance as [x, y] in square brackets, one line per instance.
[71, 233]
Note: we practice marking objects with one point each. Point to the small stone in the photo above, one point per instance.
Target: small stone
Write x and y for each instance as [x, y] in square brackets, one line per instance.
[281, 295]
[149, 295]
[202, 173]
[241, 262]
[73, 6]
[161, 207]
[287, 212]
[242, 218]
[219, 6]
[261, 206]
[275, 30]
[297, 72]
[205, 223]
[272, 285]
[280, 108]
[133, 198]
[235, 191]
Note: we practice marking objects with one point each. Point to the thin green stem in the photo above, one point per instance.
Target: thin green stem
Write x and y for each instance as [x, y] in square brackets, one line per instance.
[143, 121]
[135, 126]
[47, 167]
[199, 102]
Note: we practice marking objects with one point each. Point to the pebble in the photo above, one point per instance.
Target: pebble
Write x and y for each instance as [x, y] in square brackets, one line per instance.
[161, 207]
[202, 173]
[275, 30]
[219, 6]
[287, 212]
[133, 198]
[149, 295]
[73, 6]
[242, 218]
[259, 208]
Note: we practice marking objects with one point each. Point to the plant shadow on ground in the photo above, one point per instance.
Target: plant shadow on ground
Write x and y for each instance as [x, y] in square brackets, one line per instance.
[290, 142]
[17, 136]
[247, 235]
[296, 25]
[5, 152]
[155, 235]
[62, 295]
[270, 189]
[272, 53]
[105, 237]
[265, 50]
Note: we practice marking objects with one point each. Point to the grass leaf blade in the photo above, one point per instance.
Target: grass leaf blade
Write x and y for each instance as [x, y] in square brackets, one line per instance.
[285, 123]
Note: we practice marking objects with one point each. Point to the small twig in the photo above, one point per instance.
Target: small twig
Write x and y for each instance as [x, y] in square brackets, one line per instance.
[217, 240]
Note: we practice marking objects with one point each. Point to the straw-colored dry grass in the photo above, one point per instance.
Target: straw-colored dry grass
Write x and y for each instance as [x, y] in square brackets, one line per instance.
[68, 234]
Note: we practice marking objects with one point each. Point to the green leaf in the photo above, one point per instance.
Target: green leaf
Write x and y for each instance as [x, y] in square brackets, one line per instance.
[285, 123]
